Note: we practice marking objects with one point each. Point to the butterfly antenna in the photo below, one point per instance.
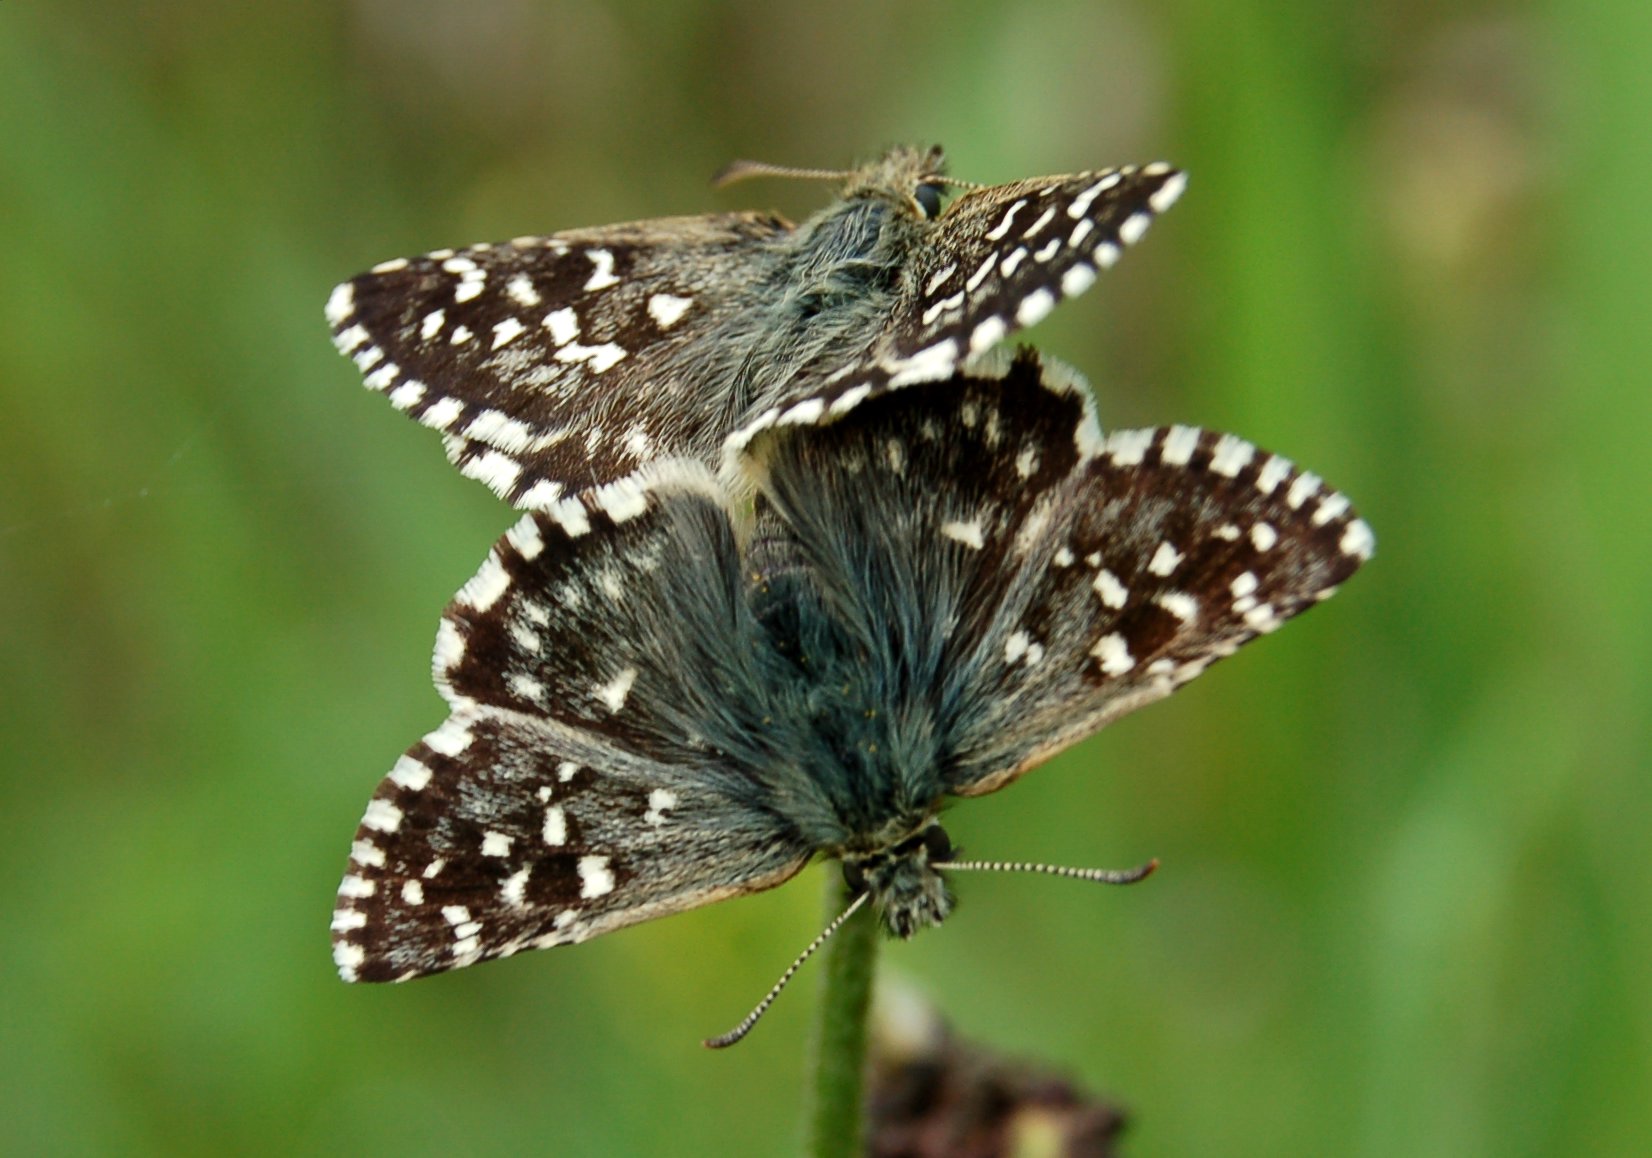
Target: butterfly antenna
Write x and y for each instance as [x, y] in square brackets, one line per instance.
[746, 170]
[1101, 876]
[750, 1020]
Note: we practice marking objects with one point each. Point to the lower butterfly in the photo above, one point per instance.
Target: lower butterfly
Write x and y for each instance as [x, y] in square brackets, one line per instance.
[675, 689]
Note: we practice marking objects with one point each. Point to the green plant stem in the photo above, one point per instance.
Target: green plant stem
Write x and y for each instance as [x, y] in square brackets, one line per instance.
[839, 1071]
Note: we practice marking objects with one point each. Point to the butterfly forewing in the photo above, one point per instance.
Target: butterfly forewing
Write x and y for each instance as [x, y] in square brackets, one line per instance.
[1027, 580]
[553, 365]
[604, 762]
[1166, 551]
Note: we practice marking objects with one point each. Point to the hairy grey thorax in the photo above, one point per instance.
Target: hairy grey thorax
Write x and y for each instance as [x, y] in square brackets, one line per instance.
[827, 290]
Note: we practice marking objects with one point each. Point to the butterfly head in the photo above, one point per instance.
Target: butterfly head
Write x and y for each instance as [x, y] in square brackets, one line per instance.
[913, 176]
[902, 881]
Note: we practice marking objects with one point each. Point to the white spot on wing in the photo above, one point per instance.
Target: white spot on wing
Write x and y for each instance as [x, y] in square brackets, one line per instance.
[356, 887]
[341, 303]
[1332, 506]
[515, 888]
[596, 879]
[1043, 220]
[602, 275]
[1113, 653]
[451, 738]
[1132, 227]
[1167, 194]
[989, 332]
[1081, 204]
[563, 324]
[507, 331]
[600, 357]
[1128, 447]
[1003, 227]
[1232, 455]
[495, 469]
[1179, 445]
[1034, 307]
[1016, 646]
[525, 538]
[496, 844]
[660, 801]
[410, 775]
[524, 686]
[967, 533]
[614, 692]
[1111, 591]
[1358, 540]
[1165, 560]
[668, 309]
[450, 646]
[940, 307]
[486, 586]
[1302, 489]
[382, 816]
[804, 413]
[1077, 279]
[520, 290]
[927, 364]
[1273, 472]
[555, 829]
[622, 500]
[432, 324]
[1180, 604]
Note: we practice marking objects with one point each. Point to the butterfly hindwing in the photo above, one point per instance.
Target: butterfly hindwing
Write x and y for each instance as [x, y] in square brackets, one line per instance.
[598, 766]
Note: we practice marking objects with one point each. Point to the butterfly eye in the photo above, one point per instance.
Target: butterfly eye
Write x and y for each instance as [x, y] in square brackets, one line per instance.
[928, 197]
[854, 877]
[937, 844]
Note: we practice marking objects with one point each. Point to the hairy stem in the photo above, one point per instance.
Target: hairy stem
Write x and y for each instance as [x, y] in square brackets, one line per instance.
[839, 1070]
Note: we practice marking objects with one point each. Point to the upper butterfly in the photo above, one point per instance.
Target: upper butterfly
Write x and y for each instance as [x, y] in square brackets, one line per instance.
[556, 364]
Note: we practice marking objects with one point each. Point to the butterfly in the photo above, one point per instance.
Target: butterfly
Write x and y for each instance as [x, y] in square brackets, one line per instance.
[555, 365]
[669, 690]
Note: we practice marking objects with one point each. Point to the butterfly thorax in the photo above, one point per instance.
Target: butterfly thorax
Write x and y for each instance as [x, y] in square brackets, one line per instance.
[876, 768]
[831, 283]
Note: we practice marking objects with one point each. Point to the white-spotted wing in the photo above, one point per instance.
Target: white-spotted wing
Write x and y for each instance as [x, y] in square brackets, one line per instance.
[662, 695]
[555, 364]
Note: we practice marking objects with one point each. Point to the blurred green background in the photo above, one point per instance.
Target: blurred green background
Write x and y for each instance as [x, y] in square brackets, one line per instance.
[1405, 905]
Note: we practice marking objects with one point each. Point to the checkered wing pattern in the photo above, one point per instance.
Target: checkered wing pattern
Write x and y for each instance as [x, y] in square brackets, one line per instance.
[554, 365]
[1025, 580]
[604, 761]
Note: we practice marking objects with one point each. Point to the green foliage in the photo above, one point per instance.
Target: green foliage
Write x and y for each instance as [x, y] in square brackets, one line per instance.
[1404, 895]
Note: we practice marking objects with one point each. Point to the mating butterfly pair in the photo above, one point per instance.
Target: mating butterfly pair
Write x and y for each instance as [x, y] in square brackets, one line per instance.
[804, 554]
